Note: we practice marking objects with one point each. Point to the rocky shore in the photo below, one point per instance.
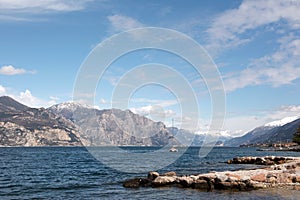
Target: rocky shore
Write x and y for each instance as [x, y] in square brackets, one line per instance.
[279, 171]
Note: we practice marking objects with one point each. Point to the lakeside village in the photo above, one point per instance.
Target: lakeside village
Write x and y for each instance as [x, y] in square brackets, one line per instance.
[281, 146]
[293, 145]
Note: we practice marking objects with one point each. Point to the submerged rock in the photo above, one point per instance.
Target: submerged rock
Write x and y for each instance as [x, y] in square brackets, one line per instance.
[136, 183]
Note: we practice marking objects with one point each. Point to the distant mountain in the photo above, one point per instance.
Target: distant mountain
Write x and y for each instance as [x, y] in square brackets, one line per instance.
[192, 139]
[114, 126]
[24, 126]
[274, 132]
[69, 124]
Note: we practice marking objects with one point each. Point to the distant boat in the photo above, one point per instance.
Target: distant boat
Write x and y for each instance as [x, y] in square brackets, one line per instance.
[173, 149]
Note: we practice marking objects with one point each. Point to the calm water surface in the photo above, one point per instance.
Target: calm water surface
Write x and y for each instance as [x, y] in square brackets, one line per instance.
[73, 173]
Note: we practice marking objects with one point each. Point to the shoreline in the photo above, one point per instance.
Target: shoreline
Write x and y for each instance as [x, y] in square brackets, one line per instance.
[278, 172]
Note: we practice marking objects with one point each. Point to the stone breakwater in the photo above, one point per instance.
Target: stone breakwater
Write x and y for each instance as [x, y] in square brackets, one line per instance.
[281, 171]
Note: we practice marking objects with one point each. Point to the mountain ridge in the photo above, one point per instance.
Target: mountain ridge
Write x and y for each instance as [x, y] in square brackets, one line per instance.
[267, 134]
[72, 124]
[24, 126]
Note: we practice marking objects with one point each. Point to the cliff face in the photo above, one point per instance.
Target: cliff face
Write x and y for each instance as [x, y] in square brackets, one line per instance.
[61, 124]
[114, 126]
[24, 126]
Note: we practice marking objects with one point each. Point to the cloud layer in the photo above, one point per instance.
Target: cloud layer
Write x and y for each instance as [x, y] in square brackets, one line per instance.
[235, 28]
[122, 23]
[42, 5]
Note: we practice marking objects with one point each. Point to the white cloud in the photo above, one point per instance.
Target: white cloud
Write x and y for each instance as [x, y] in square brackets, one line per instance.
[53, 100]
[30, 100]
[227, 29]
[11, 70]
[280, 68]
[159, 102]
[24, 10]
[13, 18]
[283, 112]
[27, 98]
[154, 112]
[2, 90]
[241, 124]
[42, 5]
[232, 28]
[103, 101]
[123, 23]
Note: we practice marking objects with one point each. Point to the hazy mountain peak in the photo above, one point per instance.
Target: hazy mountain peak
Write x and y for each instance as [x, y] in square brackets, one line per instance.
[72, 106]
[282, 122]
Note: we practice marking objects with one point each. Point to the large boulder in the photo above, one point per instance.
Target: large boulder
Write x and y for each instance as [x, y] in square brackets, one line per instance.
[163, 181]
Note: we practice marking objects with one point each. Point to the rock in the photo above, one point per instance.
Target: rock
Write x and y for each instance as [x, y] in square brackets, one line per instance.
[163, 181]
[268, 160]
[245, 178]
[233, 177]
[242, 180]
[221, 177]
[201, 185]
[185, 181]
[260, 161]
[279, 160]
[227, 186]
[242, 186]
[297, 178]
[261, 177]
[272, 180]
[132, 183]
[153, 175]
[194, 177]
[258, 185]
[136, 183]
[169, 174]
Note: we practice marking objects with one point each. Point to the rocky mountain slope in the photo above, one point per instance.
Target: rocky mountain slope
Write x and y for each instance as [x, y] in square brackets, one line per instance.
[274, 132]
[114, 126]
[24, 126]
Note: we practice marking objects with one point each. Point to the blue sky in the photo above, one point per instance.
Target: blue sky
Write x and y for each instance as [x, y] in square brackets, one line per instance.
[255, 44]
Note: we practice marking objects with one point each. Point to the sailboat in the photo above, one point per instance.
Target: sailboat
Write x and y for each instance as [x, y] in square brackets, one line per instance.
[173, 149]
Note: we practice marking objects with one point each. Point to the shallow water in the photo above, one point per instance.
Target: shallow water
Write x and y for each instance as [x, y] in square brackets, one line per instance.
[73, 173]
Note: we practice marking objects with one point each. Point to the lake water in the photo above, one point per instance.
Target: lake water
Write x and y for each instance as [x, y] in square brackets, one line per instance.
[73, 173]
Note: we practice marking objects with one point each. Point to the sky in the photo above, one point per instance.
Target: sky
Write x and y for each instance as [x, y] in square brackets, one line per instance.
[254, 44]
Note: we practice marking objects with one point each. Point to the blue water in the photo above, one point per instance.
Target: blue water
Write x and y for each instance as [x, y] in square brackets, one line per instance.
[73, 173]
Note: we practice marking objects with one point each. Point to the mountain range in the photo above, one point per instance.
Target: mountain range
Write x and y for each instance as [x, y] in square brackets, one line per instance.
[73, 124]
[279, 131]
[24, 126]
